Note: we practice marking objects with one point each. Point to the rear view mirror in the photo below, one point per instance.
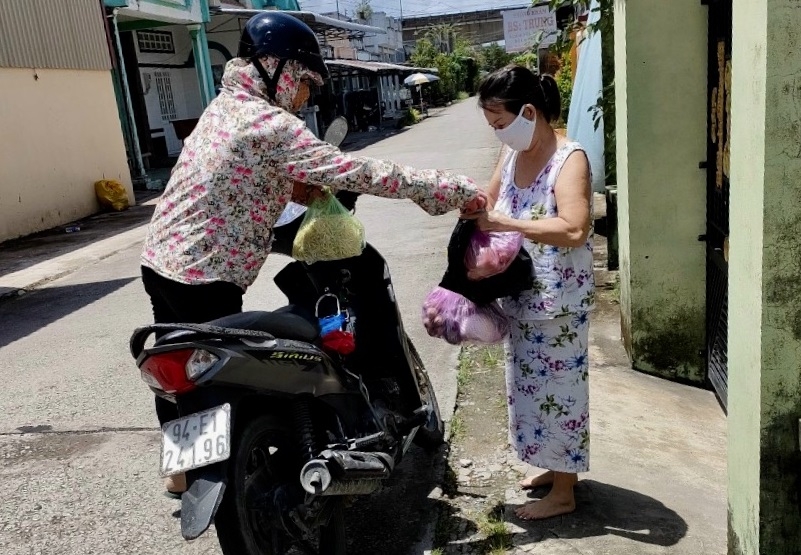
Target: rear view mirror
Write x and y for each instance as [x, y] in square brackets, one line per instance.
[337, 131]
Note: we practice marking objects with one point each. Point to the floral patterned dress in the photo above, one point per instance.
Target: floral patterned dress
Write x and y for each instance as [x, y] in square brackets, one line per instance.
[547, 370]
[235, 176]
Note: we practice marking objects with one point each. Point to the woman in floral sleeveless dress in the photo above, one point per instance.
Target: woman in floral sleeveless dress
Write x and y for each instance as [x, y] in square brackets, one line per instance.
[542, 189]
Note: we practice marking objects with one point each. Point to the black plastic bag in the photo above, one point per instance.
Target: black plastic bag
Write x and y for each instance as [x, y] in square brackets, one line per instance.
[517, 278]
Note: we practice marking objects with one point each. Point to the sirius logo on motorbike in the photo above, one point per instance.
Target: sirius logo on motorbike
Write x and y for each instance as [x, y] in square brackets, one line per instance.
[305, 357]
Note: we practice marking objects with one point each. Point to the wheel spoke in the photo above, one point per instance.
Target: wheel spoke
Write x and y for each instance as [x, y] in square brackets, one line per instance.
[257, 488]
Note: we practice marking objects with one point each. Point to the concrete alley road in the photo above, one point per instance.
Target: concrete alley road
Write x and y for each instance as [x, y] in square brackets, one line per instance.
[78, 436]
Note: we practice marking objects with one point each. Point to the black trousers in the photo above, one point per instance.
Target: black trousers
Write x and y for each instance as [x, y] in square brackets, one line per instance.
[175, 302]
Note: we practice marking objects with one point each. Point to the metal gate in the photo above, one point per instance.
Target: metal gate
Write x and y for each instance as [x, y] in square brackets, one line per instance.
[717, 206]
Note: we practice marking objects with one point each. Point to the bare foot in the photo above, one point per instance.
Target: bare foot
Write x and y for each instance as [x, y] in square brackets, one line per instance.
[546, 479]
[175, 484]
[548, 507]
[533, 482]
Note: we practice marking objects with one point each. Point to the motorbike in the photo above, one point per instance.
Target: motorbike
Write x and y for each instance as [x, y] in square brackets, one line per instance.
[277, 429]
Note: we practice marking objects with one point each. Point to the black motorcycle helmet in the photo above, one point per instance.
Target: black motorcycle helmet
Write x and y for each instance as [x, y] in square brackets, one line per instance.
[284, 37]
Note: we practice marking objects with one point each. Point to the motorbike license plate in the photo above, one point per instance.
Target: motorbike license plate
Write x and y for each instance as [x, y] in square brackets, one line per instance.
[196, 440]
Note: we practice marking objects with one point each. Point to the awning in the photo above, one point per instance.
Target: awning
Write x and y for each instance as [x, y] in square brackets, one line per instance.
[375, 67]
[325, 26]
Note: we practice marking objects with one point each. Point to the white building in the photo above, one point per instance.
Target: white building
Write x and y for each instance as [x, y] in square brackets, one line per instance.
[168, 79]
[389, 47]
[386, 47]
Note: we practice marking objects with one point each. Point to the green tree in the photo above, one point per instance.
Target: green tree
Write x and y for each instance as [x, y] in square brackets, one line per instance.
[424, 53]
[526, 59]
[453, 57]
[468, 58]
[427, 55]
[364, 10]
[494, 57]
[443, 37]
[564, 80]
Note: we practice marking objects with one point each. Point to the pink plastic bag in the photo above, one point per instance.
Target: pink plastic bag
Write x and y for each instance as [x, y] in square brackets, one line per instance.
[457, 320]
[491, 253]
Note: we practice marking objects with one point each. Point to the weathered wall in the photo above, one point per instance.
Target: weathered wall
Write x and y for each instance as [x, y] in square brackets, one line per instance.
[745, 274]
[61, 35]
[661, 133]
[60, 132]
[477, 27]
[765, 265]
[622, 151]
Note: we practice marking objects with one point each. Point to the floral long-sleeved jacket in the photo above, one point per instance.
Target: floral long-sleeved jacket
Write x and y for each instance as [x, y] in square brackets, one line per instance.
[235, 176]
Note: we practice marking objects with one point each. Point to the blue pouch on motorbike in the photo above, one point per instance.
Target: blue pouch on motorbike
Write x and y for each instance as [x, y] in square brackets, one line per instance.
[334, 322]
[331, 323]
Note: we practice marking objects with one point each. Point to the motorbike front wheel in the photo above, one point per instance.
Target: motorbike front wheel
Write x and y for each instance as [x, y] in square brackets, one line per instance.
[262, 460]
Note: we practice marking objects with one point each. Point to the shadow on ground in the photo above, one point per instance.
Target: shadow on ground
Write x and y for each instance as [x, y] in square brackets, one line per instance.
[358, 141]
[602, 510]
[29, 313]
[606, 509]
[393, 520]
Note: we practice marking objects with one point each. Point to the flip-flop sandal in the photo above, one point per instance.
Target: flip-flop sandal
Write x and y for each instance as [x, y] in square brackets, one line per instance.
[172, 494]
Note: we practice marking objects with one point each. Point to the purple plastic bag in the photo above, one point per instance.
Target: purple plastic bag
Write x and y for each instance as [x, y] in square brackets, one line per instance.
[491, 253]
[450, 316]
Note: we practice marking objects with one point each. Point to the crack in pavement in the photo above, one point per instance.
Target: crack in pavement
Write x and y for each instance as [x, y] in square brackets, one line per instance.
[37, 430]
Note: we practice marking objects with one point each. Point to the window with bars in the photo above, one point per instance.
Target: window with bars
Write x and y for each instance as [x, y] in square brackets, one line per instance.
[166, 101]
[155, 41]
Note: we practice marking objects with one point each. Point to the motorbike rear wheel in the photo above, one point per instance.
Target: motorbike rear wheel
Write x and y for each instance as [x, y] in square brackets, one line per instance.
[263, 459]
[432, 434]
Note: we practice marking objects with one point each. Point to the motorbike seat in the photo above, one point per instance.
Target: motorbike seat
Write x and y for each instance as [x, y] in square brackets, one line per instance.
[285, 323]
[289, 322]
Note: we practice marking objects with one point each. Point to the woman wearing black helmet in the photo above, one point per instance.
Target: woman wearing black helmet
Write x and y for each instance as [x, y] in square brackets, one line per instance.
[210, 233]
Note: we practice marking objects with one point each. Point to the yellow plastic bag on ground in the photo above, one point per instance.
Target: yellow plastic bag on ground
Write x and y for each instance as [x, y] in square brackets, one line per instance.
[111, 194]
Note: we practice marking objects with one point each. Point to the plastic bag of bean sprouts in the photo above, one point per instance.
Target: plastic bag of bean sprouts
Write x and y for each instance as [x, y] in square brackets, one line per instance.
[328, 232]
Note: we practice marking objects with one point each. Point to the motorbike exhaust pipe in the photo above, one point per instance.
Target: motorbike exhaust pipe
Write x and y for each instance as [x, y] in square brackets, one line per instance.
[339, 472]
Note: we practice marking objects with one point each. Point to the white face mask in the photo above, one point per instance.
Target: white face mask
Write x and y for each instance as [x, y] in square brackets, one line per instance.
[518, 134]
